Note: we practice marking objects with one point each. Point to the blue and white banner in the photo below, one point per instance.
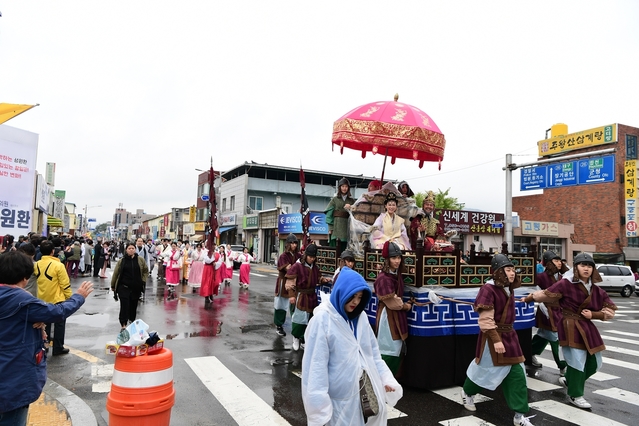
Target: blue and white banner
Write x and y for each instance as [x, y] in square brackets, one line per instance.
[292, 223]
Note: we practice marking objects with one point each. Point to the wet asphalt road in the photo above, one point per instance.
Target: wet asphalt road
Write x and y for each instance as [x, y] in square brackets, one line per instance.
[238, 330]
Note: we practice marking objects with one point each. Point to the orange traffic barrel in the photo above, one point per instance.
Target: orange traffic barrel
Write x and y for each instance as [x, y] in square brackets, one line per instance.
[142, 391]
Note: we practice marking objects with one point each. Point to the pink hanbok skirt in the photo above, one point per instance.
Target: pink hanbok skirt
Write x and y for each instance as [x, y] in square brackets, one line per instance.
[172, 276]
[195, 274]
[245, 270]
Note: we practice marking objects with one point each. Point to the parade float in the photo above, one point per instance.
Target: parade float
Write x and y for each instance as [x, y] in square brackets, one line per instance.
[442, 322]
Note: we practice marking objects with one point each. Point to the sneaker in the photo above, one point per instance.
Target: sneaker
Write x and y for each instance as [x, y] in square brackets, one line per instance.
[579, 402]
[280, 331]
[522, 421]
[535, 363]
[296, 344]
[468, 401]
[562, 372]
[562, 381]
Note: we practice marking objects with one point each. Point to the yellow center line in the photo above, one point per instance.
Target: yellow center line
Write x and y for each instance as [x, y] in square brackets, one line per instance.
[84, 355]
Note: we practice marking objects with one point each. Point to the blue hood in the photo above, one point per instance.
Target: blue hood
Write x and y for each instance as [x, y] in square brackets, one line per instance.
[348, 283]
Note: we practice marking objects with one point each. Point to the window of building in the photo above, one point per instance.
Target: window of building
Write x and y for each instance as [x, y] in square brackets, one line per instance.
[223, 204]
[255, 203]
[287, 208]
[552, 244]
[633, 242]
[202, 214]
[232, 206]
[522, 244]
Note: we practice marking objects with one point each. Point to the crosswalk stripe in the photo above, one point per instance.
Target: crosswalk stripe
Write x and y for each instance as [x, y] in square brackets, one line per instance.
[540, 385]
[631, 321]
[620, 395]
[466, 421]
[246, 408]
[629, 312]
[624, 351]
[572, 414]
[620, 363]
[391, 412]
[454, 394]
[623, 333]
[599, 376]
[257, 275]
[620, 339]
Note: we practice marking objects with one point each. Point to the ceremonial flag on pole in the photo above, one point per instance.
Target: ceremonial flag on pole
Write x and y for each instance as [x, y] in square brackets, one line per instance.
[212, 209]
[306, 218]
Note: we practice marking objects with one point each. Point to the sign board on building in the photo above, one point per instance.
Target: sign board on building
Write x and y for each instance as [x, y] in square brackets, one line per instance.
[579, 172]
[50, 174]
[586, 139]
[188, 229]
[630, 191]
[251, 222]
[631, 147]
[533, 227]
[292, 223]
[18, 151]
[228, 220]
[200, 226]
[468, 222]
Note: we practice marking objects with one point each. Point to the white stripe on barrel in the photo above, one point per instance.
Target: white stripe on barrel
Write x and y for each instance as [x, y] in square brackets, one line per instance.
[142, 380]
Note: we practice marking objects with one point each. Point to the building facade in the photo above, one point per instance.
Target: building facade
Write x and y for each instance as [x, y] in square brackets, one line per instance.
[252, 196]
[589, 215]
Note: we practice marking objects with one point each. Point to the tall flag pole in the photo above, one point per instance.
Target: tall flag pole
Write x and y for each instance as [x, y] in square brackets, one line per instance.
[212, 209]
[306, 218]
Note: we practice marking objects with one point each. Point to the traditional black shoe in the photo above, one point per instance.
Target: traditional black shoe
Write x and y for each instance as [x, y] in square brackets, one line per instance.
[280, 331]
[62, 352]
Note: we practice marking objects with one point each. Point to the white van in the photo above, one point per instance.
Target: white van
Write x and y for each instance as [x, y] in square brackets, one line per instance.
[617, 278]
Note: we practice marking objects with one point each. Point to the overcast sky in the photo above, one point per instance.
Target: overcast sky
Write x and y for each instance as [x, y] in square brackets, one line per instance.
[135, 95]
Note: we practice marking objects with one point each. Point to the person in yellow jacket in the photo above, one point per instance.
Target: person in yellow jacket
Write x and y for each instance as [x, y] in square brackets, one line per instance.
[54, 287]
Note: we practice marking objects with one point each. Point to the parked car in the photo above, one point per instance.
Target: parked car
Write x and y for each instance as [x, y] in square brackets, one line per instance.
[617, 278]
[236, 250]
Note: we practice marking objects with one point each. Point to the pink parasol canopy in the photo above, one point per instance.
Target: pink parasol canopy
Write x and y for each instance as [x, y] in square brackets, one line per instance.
[394, 129]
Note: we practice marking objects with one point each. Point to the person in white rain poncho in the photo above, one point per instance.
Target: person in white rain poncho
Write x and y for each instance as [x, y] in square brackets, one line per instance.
[340, 345]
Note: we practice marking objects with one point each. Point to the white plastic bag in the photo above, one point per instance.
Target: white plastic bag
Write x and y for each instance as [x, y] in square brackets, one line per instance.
[137, 332]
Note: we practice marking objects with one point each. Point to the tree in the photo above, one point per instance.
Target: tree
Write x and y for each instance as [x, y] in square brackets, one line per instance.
[442, 200]
[101, 228]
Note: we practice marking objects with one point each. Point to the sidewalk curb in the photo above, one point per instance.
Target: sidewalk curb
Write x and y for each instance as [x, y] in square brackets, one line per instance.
[79, 411]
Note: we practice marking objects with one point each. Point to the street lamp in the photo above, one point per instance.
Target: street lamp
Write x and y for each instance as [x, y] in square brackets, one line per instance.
[85, 225]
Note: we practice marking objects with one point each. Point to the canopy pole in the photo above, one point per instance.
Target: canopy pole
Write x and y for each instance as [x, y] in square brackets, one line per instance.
[384, 167]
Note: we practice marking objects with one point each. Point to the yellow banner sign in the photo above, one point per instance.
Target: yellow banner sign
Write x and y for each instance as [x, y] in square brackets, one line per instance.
[586, 139]
[630, 175]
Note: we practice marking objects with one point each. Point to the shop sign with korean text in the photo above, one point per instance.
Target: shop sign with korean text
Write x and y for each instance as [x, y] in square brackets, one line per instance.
[585, 139]
[18, 151]
[630, 191]
[251, 222]
[533, 227]
[468, 222]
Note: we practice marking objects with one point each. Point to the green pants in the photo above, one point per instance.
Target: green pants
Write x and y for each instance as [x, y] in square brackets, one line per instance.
[513, 386]
[297, 330]
[539, 344]
[576, 380]
[279, 316]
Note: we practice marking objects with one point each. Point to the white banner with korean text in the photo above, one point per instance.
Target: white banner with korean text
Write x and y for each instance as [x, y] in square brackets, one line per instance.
[18, 154]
